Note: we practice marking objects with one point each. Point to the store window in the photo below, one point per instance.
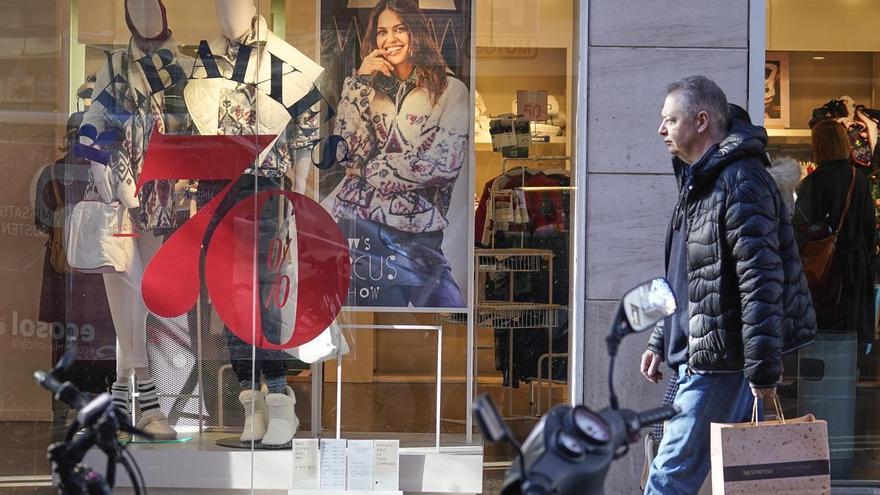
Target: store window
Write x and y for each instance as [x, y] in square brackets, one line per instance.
[817, 69]
[293, 240]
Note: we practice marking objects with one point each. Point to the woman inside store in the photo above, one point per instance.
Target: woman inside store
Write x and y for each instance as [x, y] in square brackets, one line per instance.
[406, 121]
[844, 302]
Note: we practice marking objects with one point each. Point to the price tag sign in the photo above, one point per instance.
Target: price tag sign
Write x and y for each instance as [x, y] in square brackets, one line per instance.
[532, 105]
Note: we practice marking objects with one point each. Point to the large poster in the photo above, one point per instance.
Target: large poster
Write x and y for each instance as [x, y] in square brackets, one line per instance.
[398, 75]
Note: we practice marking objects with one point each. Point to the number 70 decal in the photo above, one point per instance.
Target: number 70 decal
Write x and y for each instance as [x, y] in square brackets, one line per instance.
[172, 280]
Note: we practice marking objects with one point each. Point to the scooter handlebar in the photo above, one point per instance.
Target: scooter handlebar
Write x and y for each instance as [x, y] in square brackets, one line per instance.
[66, 391]
[654, 416]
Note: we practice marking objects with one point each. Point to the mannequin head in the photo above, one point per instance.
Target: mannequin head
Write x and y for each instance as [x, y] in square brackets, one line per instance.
[235, 17]
[849, 104]
[145, 18]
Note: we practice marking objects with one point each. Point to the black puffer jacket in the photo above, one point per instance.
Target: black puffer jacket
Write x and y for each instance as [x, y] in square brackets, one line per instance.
[748, 298]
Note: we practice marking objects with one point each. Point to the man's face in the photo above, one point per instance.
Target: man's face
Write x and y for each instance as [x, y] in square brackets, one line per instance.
[680, 132]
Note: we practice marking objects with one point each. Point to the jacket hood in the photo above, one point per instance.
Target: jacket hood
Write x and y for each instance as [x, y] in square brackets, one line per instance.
[743, 140]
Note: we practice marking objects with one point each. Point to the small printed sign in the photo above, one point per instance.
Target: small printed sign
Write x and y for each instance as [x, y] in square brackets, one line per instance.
[360, 465]
[333, 464]
[386, 465]
[305, 463]
[532, 105]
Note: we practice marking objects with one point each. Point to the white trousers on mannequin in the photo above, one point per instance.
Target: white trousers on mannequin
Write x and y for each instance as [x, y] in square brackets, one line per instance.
[128, 309]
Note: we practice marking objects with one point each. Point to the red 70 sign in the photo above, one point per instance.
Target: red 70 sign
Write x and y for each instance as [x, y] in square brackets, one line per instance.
[171, 281]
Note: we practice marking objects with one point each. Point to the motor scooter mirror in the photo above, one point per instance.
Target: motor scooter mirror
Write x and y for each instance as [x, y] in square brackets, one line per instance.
[648, 303]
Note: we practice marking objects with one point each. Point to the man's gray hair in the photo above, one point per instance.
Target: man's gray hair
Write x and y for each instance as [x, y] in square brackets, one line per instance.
[699, 93]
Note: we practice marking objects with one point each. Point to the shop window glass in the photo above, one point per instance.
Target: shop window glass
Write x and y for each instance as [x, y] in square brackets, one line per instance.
[830, 75]
[322, 220]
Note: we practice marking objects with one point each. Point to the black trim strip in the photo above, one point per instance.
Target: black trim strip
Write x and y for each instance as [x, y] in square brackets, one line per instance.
[780, 470]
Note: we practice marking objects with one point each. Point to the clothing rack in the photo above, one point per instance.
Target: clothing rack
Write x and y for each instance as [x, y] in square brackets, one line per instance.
[523, 170]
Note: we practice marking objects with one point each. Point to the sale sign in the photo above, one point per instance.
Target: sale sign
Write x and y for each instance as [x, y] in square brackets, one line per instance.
[532, 105]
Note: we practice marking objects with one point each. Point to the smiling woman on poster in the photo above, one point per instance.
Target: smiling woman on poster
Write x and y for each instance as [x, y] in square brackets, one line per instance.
[405, 119]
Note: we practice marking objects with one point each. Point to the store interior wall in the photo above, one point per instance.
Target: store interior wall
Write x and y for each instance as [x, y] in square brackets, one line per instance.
[630, 187]
[816, 25]
[814, 82]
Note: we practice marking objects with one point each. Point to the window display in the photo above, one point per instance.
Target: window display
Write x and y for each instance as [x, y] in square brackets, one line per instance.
[261, 232]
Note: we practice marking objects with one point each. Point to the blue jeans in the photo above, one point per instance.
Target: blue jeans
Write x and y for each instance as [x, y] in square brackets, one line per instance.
[682, 461]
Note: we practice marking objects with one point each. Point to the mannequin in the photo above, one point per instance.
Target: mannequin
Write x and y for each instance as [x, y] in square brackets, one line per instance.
[115, 132]
[861, 125]
[228, 105]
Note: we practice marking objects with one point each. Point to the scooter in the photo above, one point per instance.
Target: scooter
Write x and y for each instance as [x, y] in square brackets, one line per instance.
[97, 423]
[570, 450]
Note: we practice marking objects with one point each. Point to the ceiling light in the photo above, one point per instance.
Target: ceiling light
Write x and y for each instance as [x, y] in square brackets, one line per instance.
[818, 58]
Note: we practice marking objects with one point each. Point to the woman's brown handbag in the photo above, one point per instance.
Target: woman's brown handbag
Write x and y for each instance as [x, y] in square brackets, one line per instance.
[57, 255]
[817, 254]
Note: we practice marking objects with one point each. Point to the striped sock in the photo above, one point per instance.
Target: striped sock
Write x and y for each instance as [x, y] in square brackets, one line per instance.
[147, 398]
[119, 392]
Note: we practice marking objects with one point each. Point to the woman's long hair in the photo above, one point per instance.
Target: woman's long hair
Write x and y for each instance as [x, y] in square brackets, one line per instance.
[428, 63]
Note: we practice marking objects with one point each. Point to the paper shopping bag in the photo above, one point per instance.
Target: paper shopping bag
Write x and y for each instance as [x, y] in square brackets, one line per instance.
[778, 457]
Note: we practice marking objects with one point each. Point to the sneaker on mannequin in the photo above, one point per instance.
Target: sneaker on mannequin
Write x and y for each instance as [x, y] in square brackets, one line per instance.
[283, 422]
[156, 424]
[255, 416]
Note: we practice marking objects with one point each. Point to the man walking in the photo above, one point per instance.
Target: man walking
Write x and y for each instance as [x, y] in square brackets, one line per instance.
[733, 262]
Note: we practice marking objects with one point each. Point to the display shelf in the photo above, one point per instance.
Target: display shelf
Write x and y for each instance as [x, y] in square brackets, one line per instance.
[452, 318]
[511, 260]
[553, 140]
[513, 315]
[788, 132]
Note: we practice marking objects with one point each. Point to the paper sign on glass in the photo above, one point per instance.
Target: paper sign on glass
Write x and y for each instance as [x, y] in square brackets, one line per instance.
[332, 464]
[305, 463]
[360, 464]
[386, 464]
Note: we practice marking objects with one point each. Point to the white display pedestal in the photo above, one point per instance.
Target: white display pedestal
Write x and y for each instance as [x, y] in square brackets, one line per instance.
[345, 492]
[202, 465]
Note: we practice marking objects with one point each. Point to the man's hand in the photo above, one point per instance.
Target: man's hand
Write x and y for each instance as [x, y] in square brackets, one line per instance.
[650, 366]
[764, 393]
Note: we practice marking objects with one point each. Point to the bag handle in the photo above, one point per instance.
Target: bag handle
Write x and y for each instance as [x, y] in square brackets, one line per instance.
[776, 404]
[852, 185]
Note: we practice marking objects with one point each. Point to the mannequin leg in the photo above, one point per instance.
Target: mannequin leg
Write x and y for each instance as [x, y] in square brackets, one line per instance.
[130, 319]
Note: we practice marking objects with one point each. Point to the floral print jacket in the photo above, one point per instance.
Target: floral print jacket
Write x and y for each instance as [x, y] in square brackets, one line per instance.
[406, 153]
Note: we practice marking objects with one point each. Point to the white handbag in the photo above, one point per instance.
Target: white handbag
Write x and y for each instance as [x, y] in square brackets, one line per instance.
[98, 237]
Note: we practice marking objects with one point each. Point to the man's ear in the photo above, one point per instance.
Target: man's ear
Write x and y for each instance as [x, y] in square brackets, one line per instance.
[702, 121]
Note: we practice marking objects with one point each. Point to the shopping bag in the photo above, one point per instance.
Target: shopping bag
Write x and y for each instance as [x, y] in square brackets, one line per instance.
[778, 457]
